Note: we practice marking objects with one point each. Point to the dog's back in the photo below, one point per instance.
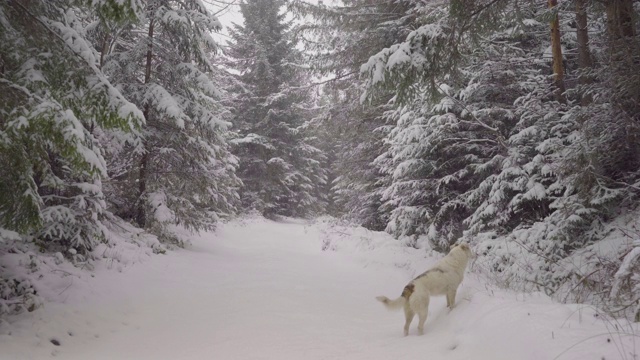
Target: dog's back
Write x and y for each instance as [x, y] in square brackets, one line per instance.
[447, 274]
[436, 281]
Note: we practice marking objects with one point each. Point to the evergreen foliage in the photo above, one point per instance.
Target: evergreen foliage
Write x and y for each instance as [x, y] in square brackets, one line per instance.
[281, 171]
[509, 125]
[338, 43]
[483, 143]
[53, 98]
[182, 168]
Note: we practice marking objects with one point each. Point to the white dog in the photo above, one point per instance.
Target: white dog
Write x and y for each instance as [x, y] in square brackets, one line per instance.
[442, 279]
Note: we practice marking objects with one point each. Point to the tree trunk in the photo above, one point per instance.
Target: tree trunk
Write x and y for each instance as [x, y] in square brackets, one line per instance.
[556, 49]
[141, 215]
[103, 51]
[622, 45]
[620, 19]
[582, 34]
[584, 53]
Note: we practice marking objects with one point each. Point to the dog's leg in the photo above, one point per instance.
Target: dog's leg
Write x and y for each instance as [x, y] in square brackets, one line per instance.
[408, 314]
[422, 315]
[451, 299]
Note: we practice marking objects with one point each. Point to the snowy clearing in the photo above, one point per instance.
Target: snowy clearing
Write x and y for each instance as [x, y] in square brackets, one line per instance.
[258, 289]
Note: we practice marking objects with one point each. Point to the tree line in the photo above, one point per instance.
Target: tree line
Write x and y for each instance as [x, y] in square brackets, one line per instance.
[511, 125]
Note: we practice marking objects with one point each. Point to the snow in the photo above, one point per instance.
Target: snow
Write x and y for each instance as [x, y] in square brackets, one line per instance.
[253, 139]
[259, 289]
[625, 269]
[536, 191]
[161, 212]
[165, 103]
[400, 55]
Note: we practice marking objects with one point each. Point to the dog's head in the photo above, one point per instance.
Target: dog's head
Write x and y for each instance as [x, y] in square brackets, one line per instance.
[464, 248]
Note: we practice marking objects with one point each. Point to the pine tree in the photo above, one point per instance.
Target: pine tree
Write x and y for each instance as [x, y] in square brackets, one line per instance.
[355, 136]
[339, 42]
[53, 98]
[484, 147]
[182, 172]
[280, 169]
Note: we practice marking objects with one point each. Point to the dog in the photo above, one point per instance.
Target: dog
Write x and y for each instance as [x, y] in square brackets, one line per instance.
[442, 279]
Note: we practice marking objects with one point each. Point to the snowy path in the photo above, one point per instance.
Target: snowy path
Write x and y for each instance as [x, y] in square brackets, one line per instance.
[267, 291]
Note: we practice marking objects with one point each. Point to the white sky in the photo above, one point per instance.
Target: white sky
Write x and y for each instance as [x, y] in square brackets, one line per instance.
[231, 14]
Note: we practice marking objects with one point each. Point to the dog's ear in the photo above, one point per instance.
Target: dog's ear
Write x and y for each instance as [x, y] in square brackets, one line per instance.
[464, 246]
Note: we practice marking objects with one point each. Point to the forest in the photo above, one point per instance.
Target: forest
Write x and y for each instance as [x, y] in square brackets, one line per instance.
[513, 126]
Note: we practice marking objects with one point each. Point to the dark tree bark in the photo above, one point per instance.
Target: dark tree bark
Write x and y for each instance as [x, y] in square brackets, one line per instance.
[556, 49]
[584, 52]
[141, 215]
[620, 18]
[582, 33]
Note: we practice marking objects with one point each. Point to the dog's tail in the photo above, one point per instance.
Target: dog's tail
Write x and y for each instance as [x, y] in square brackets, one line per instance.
[392, 304]
[399, 302]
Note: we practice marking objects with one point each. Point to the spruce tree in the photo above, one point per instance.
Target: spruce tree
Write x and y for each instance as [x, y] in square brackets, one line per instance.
[54, 97]
[340, 40]
[182, 171]
[488, 144]
[280, 169]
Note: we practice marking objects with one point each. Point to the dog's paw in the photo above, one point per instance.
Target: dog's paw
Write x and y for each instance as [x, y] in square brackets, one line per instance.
[382, 299]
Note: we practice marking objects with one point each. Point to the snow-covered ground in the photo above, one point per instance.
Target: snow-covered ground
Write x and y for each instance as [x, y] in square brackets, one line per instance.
[258, 289]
